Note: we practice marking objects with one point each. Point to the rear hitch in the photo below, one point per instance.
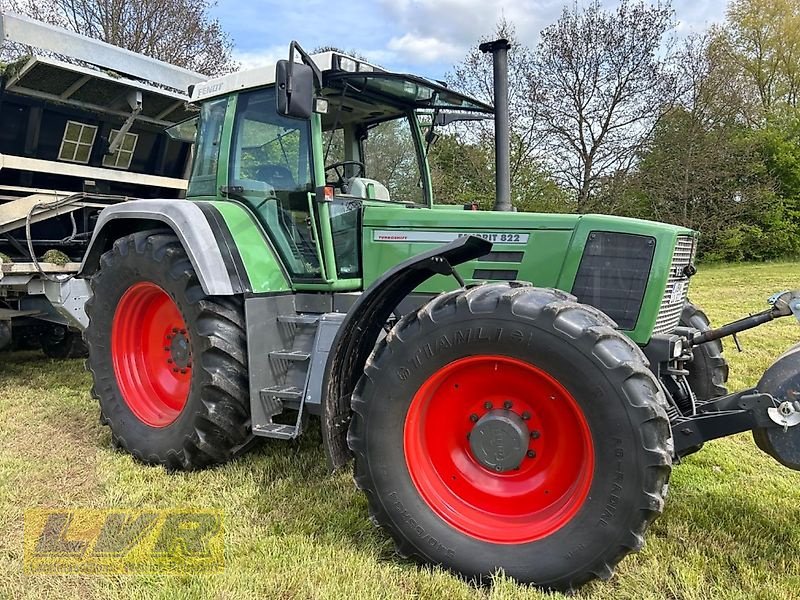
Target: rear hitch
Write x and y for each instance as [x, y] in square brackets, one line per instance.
[784, 304]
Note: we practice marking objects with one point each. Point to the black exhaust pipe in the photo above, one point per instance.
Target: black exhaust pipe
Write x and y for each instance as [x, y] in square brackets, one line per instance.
[502, 145]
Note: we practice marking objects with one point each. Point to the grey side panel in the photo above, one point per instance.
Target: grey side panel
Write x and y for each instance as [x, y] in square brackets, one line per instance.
[188, 222]
[287, 357]
[265, 335]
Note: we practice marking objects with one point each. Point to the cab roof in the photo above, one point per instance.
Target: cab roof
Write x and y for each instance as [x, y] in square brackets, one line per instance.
[338, 71]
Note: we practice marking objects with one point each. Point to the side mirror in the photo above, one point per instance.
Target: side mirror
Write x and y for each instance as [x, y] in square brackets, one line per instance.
[294, 85]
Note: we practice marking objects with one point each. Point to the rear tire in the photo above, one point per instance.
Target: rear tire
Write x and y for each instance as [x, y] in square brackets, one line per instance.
[594, 441]
[708, 371]
[169, 362]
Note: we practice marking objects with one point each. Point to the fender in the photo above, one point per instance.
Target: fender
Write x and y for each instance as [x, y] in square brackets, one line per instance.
[359, 332]
[204, 229]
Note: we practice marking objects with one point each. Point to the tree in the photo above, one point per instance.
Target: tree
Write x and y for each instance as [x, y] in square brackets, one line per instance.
[705, 178]
[179, 32]
[704, 166]
[604, 78]
[764, 42]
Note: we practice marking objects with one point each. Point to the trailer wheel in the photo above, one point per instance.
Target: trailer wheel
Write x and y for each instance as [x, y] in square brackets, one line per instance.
[168, 361]
[708, 371]
[59, 342]
[509, 427]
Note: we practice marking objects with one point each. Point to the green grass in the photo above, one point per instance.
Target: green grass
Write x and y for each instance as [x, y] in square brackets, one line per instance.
[731, 527]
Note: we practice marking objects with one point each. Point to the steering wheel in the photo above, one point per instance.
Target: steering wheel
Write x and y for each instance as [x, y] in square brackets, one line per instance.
[338, 168]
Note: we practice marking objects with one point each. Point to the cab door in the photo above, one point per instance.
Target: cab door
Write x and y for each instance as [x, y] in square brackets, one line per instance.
[270, 170]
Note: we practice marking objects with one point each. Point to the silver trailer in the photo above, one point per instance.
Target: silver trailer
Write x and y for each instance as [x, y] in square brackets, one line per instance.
[85, 125]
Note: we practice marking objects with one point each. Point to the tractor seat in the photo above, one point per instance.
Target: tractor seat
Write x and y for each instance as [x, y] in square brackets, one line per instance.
[277, 176]
[368, 189]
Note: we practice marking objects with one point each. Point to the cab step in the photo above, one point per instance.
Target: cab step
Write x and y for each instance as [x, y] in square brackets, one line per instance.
[298, 355]
[284, 392]
[299, 319]
[277, 431]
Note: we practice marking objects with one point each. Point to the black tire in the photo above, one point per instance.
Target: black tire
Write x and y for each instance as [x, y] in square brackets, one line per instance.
[61, 343]
[708, 371]
[573, 343]
[214, 424]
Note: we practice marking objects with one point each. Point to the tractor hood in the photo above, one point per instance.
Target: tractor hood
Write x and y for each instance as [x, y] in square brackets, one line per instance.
[630, 268]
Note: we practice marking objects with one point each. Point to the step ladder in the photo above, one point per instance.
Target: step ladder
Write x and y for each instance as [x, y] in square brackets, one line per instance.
[291, 368]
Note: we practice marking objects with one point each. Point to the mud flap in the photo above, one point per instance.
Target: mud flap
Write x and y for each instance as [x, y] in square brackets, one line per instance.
[782, 381]
[360, 329]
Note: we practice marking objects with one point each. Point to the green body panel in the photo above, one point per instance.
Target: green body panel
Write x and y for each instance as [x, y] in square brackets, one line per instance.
[260, 260]
[551, 255]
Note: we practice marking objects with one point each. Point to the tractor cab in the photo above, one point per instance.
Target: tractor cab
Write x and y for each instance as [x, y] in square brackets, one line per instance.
[306, 173]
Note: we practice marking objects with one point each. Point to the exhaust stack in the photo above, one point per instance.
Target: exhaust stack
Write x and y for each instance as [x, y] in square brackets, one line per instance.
[499, 50]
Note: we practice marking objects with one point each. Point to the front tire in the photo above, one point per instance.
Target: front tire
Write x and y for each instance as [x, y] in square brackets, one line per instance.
[168, 361]
[574, 448]
[708, 371]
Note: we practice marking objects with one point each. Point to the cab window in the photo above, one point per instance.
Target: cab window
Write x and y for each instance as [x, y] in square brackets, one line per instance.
[381, 161]
[390, 157]
[270, 167]
[204, 174]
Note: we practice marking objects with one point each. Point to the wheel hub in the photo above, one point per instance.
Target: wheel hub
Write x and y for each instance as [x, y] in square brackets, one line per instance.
[179, 349]
[499, 440]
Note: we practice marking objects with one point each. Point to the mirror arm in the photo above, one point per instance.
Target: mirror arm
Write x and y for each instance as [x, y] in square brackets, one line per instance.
[304, 56]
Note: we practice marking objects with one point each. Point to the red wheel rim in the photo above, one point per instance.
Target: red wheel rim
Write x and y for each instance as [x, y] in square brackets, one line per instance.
[151, 354]
[511, 507]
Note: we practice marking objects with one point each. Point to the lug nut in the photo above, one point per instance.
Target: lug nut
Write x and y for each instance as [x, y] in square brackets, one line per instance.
[487, 405]
[507, 405]
[169, 360]
[526, 415]
[183, 371]
[166, 348]
[535, 434]
[183, 331]
[174, 330]
[175, 370]
[531, 454]
[473, 418]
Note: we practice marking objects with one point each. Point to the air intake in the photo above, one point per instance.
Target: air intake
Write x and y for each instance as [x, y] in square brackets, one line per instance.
[613, 274]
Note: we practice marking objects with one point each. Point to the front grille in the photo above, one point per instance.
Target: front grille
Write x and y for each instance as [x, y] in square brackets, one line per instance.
[669, 314]
[613, 274]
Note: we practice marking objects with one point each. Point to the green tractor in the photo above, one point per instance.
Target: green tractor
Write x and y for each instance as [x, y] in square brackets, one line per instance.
[514, 387]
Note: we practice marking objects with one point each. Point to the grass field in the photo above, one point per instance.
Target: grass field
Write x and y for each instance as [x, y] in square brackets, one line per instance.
[731, 527]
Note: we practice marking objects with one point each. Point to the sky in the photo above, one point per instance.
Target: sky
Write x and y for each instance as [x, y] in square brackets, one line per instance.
[426, 37]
